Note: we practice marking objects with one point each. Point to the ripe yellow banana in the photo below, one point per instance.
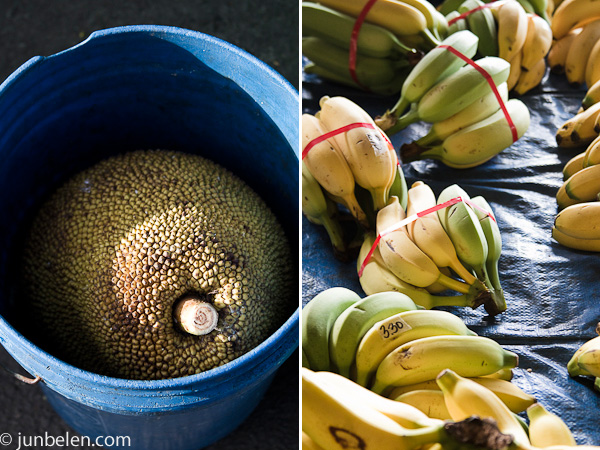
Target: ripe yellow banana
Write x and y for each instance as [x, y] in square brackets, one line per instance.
[557, 56]
[591, 156]
[512, 29]
[515, 71]
[308, 443]
[575, 164]
[579, 130]
[318, 317]
[403, 257]
[571, 13]
[369, 154]
[477, 143]
[579, 52]
[428, 401]
[587, 245]
[480, 109]
[337, 422]
[591, 345]
[351, 325]
[581, 220]
[317, 208]
[537, 43]
[582, 186]
[429, 234]
[531, 78]
[513, 397]
[547, 429]
[423, 359]
[465, 398]
[401, 413]
[327, 164]
[592, 95]
[376, 277]
[396, 330]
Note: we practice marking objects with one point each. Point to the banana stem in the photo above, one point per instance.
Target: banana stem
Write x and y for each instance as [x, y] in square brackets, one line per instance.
[413, 152]
[430, 40]
[428, 140]
[462, 272]
[335, 232]
[411, 116]
[453, 284]
[357, 212]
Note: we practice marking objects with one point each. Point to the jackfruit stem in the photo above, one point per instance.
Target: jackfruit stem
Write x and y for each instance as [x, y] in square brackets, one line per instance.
[195, 316]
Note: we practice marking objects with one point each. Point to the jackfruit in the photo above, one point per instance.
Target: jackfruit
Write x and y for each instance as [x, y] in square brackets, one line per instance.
[113, 249]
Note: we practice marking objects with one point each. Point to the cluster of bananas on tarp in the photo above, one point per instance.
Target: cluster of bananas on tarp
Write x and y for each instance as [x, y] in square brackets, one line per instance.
[378, 372]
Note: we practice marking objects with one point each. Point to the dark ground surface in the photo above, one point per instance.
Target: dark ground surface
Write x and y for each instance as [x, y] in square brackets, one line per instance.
[267, 30]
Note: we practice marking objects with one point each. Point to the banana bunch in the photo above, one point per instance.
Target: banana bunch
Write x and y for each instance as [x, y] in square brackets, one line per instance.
[581, 129]
[357, 168]
[391, 40]
[508, 30]
[586, 360]
[543, 8]
[455, 249]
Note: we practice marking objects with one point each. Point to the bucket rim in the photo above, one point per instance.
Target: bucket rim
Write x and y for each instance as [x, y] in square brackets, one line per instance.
[290, 328]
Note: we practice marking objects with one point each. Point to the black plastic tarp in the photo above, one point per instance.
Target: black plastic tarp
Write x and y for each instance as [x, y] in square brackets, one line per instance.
[552, 292]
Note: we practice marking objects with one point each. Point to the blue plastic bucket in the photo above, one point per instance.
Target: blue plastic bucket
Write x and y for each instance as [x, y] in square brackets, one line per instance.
[132, 88]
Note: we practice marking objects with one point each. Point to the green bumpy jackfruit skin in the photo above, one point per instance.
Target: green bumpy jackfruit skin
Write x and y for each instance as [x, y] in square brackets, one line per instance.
[112, 250]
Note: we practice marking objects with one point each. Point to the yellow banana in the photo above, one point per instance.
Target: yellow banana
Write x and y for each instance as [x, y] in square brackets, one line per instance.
[592, 68]
[575, 164]
[537, 43]
[403, 257]
[317, 208]
[396, 330]
[337, 422]
[591, 156]
[579, 52]
[515, 71]
[587, 245]
[423, 359]
[592, 95]
[581, 220]
[513, 397]
[465, 398]
[512, 29]
[376, 277]
[571, 14]
[369, 154]
[557, 56]
[579, 129]
[308, 443]
[547, 429]
[401, 413]
[429, 234]
[591, 345]
[586, 360]
[582, 186]
[531, 78]
[329, 167]
[428, 401]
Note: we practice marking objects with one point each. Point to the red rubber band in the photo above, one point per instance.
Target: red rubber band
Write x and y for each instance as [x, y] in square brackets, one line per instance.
[354, 41]
[340, 130]
[489, 79]
[414, 217]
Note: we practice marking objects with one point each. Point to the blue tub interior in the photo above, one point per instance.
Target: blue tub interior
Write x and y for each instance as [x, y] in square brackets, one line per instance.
[134, 88]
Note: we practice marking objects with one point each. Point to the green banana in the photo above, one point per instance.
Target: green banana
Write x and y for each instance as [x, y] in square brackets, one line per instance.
[317, 208]
[482, 24]
[318, 317]
[370, 71]
[462, 225]
[336, 27]
[457, 24]
[436, 65]
[475, 112]
[477, 143]
[354, 322]
[455, 92]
